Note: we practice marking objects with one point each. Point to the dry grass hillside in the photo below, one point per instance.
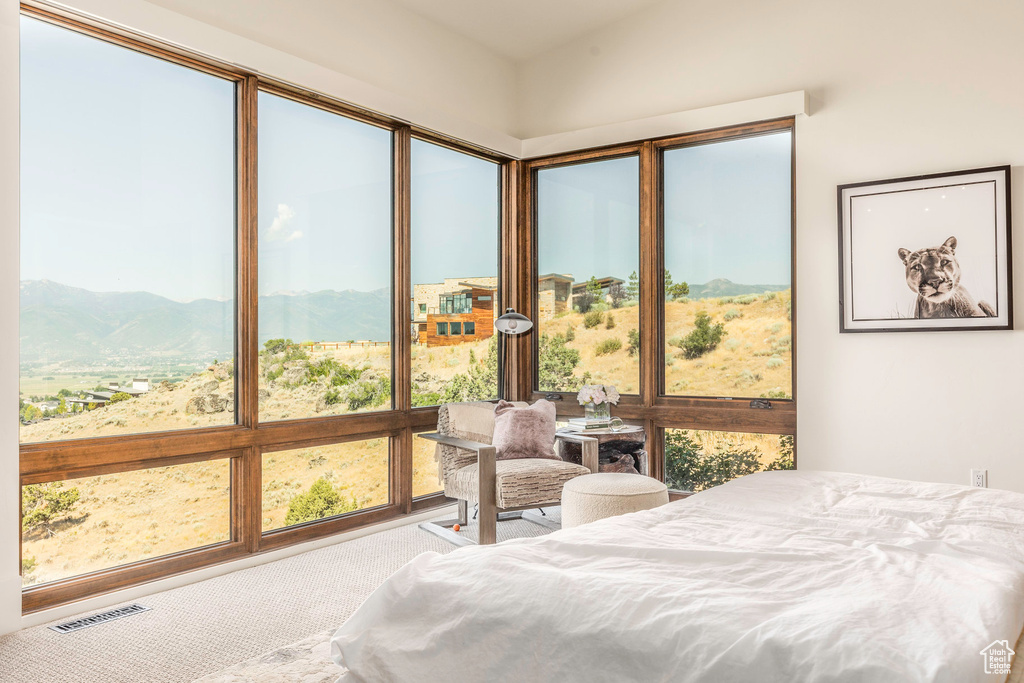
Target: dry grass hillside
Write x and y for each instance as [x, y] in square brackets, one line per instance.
[754, 357]
[131, 516]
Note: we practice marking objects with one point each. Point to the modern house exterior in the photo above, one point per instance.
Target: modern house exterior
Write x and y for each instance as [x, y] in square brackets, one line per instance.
[554, 295]
[455, 311]
[556, 292]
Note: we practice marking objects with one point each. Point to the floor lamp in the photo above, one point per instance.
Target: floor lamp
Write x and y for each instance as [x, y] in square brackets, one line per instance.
[508, 324]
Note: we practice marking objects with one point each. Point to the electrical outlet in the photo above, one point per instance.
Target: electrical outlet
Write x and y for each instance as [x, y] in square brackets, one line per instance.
[979, 478]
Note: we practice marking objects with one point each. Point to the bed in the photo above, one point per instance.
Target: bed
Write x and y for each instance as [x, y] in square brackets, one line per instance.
[777, 576]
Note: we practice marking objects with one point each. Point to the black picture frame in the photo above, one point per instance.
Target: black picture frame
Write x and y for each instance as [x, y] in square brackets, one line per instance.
[915, 210]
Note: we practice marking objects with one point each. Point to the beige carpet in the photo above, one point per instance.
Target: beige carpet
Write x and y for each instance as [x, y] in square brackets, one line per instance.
[263, 619]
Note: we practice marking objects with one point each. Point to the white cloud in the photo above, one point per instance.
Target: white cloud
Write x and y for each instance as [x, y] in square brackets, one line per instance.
[279, 230]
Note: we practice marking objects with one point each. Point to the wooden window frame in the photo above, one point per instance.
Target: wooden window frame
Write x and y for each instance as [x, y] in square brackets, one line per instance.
[246, 440]
[652, 408]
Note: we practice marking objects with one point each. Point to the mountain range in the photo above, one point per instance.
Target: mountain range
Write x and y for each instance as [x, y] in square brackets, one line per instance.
[63, 322]
[60, 322]
[723, 287]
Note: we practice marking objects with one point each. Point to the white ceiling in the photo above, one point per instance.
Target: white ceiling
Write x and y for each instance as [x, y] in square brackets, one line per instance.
[520, 29]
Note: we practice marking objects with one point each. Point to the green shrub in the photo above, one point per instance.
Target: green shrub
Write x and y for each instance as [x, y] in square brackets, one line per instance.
[775, 362]
[704, 337]
[633, 336]
[768, 296]
[332, 397]
[320, 501]
[584, 301]
[43, 504]
[690, 467]
[556, 363]
[609, 322]
[607, 346]
[119, 396]
[746, 377]
[370, 393]
[480, 383]
[570, 334]
[592, 319]
[777, 392]
[732, 314]
[429, 398]
[273, 346]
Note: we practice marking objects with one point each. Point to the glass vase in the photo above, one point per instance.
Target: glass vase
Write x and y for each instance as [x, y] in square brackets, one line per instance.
[597, 411]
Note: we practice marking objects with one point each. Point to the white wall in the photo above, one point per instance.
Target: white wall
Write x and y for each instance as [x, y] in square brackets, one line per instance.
[369, 53]
[10, 582]
[896, 89]
[377, 42]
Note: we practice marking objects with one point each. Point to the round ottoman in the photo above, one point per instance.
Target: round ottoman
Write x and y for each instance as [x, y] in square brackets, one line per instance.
[606, 494]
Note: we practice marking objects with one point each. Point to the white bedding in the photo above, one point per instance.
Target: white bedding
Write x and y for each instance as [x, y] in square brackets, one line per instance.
[778, 576]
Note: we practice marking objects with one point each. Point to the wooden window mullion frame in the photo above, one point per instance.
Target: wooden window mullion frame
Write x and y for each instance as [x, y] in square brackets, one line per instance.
[653, 409]
[245, 441]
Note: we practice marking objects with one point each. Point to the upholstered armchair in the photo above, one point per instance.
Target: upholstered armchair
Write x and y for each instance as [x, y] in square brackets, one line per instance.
[503, 489]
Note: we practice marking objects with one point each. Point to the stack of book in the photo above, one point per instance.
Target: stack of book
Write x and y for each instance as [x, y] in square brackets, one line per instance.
[583, 424]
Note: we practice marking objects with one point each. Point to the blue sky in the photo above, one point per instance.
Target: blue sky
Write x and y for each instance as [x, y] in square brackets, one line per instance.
[727, 211]
[727, 214]
[324, 200]
[128, 166]
[127, 169]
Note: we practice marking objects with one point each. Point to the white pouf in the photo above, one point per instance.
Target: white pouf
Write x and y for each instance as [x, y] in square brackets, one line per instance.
[606, 494]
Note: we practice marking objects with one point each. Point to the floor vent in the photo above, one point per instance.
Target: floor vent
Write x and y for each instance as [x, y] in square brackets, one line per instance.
[102, 617]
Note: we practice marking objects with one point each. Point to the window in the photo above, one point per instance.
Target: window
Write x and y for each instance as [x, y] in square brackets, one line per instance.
[587, 259]
[456, 303]
[309, 484]
[468, 329]
[425, 478]
[134, 199]
[127, 241]
[728, 287]
[324, 262]
[84, 525]
[696, 460]
[455, 226]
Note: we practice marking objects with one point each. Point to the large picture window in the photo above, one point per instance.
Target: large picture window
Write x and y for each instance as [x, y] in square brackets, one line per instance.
[127, 241]
[241, 300]
[455, 221]
[727, 278]
[588, 245]
[324, 262]
[89, 524]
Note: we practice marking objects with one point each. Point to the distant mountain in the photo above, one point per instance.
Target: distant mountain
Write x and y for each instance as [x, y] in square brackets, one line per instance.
[61, 322]
[723, 287]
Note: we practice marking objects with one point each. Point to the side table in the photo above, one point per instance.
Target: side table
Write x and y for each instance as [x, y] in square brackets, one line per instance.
[621, 451]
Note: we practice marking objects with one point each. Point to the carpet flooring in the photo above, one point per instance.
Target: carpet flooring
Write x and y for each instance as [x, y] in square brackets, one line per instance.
[227, 627]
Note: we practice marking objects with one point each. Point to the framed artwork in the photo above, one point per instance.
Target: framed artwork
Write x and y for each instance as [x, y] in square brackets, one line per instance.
[926, 253]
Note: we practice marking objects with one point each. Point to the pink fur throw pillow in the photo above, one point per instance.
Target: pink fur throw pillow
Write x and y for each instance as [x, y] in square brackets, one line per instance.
[524, 432]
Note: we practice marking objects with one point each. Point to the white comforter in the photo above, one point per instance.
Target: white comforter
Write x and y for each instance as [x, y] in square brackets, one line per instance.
[778, 576]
